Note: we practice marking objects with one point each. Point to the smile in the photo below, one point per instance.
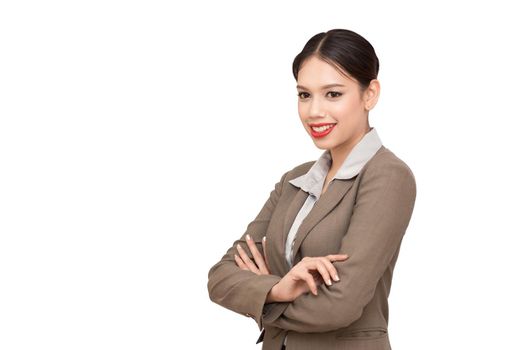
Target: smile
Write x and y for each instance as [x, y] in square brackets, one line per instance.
[321, 131]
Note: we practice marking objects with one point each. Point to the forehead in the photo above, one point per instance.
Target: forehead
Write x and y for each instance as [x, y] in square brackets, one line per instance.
[316, 74]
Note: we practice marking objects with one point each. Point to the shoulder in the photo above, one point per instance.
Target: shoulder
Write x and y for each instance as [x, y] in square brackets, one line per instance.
[298, 170]
[386, 160]
[386, 165]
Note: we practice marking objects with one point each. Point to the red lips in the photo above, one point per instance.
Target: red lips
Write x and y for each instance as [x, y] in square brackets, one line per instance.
[317, 134]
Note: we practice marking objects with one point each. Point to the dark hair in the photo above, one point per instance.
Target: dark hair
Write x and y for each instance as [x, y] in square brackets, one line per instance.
[344, 49]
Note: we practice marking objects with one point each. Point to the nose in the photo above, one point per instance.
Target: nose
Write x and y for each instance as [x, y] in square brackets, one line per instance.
[315, 107]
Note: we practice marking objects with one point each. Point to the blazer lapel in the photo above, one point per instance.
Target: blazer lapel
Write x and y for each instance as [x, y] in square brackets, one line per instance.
[293, 208]
[333, 195]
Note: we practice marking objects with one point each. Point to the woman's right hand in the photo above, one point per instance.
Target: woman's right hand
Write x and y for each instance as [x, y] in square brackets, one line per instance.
[305, 276]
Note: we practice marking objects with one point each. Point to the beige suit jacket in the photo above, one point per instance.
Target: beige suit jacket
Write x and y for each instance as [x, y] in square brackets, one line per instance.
[365, 217]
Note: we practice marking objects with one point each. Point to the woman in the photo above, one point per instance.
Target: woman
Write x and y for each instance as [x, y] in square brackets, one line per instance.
[314, 268]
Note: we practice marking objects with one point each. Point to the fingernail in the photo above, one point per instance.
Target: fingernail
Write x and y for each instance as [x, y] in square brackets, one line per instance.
[248, 236]
[336, 278]
[264, 238]
[238, 246]
[329, 282]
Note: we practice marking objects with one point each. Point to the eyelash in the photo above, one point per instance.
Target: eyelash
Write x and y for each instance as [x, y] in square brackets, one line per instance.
[329, 92]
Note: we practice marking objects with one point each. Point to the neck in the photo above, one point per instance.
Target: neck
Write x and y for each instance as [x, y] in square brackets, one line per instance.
[340, 152]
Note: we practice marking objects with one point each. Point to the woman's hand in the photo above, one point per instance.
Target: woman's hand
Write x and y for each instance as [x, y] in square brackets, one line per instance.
[246, 263]
[300, 280]
[304, 277]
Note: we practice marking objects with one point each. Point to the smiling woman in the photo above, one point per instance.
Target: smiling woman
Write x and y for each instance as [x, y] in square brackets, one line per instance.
[314, 268]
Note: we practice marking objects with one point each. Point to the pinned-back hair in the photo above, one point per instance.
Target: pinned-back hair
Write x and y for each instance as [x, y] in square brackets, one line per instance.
[344, 49]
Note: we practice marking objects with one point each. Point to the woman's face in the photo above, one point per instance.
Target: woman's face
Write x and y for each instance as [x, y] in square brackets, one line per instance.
[342, 105]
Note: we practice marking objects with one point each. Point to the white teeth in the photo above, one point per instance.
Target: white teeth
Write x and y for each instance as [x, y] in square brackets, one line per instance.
[322, 128]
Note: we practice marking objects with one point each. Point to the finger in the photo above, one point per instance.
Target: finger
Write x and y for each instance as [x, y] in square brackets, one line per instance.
[318, 265]
[315, 265]
[265, 254]
[323, 270]
[308, 278]
[337, 257]
[330, 267]
[239, 262]
[247, 259]
[256, 255]
[318, 278]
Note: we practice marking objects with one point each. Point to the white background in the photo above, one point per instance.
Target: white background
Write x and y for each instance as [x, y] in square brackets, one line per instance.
[139, 138]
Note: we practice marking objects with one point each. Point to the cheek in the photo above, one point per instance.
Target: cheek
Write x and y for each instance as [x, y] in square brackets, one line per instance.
[303, 114]
[303, 109]
[346, 107]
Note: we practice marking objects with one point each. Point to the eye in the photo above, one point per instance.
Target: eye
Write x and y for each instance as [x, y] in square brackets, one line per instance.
[301, 93]
[334, 92]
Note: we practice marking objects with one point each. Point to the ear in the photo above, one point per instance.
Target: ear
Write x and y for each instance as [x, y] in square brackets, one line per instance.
[371, 95]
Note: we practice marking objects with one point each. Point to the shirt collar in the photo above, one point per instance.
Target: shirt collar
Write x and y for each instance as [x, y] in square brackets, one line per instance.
[312, 182]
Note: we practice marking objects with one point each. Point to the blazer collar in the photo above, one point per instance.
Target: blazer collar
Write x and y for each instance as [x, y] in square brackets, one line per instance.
[312, 182]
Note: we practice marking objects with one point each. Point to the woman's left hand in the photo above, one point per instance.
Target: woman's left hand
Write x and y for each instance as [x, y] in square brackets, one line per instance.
[243, 260]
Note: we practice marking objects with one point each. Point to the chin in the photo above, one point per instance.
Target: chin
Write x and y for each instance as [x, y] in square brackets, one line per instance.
[322, 145]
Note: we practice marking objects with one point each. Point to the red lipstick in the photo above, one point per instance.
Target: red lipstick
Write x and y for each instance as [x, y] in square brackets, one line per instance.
[320, 134]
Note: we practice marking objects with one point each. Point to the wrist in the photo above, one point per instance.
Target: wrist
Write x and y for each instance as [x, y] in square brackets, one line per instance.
[274, 294]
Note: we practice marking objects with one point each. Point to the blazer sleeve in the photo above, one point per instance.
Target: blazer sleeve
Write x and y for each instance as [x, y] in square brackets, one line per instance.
[381, 214]
[239, 290]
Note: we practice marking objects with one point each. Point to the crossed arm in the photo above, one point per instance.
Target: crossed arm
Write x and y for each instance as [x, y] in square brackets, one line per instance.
[240, 290]
[383, 208]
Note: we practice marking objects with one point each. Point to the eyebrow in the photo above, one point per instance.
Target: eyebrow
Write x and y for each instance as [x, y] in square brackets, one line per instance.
[323, 87]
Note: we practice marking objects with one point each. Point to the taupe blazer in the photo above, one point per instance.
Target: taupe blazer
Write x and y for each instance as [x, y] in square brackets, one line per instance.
[365, 217]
